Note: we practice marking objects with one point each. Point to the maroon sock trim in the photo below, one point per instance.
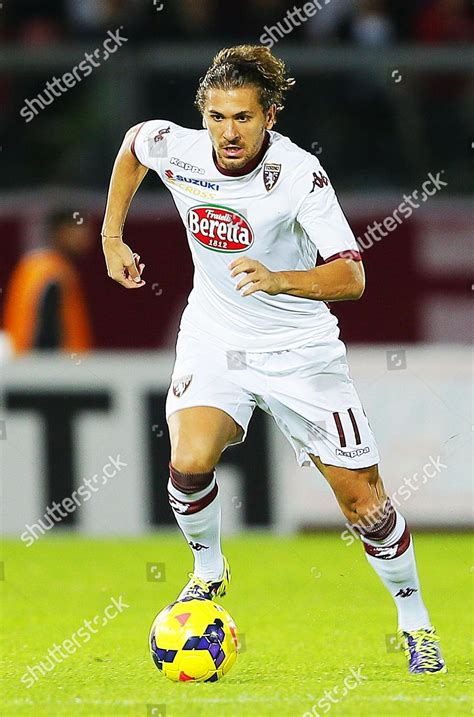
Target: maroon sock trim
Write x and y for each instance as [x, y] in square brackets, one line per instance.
[190, 482]
[389, 552]
[381, 529]
[193, 506]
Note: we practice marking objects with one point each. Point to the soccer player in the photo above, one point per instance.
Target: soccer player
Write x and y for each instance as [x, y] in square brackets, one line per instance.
[257, 330]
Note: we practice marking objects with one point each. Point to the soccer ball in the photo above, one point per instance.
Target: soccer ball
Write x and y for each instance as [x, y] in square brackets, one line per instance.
[194, 640]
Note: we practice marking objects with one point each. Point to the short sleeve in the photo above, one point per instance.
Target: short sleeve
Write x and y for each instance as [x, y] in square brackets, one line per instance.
[319, 213]
[152, 142]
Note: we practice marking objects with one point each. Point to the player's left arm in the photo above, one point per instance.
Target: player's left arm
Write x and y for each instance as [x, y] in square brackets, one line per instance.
[318, 213]
[341, 279]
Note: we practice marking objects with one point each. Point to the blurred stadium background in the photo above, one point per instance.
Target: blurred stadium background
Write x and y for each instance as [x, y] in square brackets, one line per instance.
[385, 98]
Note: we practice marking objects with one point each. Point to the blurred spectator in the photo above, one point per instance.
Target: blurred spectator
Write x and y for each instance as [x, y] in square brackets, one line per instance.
[445, 21]
[35, 22]
[73, 141]
[326, 23]
[44, 305]
[261, 12]
[371, 24]
[366, 22]
[93, 18]
[197, 19]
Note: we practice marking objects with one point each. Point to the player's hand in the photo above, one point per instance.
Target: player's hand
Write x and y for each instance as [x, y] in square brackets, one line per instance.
[123, 266]
[258, 277]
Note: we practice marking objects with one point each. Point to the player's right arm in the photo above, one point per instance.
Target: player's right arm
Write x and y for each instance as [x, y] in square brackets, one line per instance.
[127, 175]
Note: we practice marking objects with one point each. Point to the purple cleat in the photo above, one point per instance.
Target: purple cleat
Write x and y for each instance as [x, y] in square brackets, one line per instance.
[422, 651]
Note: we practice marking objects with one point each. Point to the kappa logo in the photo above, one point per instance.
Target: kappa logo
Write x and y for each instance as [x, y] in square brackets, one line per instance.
[352, 454]
[406, 592]
[186, 166]
[271, 173]
[319, 180]
[198, 546]
[181, 385]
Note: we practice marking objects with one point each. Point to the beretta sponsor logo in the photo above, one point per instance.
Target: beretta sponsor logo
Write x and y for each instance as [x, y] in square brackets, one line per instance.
[219, 228]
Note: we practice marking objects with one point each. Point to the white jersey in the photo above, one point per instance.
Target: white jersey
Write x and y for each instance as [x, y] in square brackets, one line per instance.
[280, 210]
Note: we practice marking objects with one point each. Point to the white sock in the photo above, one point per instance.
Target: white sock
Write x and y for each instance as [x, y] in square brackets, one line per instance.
[202, 528]
[399, 574]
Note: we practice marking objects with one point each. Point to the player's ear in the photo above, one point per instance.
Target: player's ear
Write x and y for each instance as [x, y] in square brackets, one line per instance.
[271, 117]
[204, 122]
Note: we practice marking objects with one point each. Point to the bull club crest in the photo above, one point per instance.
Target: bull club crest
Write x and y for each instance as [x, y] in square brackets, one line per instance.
[181, 384]
[271, 172]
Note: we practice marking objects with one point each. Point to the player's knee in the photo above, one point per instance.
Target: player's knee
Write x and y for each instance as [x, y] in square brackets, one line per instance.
[194, 458]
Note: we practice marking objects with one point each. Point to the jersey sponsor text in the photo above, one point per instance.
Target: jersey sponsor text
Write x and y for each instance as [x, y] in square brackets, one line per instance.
[220, 228]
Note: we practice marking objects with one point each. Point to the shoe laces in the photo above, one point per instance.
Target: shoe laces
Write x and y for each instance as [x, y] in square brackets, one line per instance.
[198, 584]
[426, 645]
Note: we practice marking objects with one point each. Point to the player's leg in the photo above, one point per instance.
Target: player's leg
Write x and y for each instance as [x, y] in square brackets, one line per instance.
[198, 437]
[385, 536]
[207, 409]
[389, 549]
[313, 401]
[315, 404]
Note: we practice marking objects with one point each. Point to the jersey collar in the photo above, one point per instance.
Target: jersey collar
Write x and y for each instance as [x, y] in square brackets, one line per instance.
[247, 168]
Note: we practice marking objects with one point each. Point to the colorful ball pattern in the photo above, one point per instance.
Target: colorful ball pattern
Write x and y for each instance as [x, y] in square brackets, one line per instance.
[194, 640]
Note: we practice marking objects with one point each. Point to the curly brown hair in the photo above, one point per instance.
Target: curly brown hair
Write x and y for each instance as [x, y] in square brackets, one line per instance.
[247, 65]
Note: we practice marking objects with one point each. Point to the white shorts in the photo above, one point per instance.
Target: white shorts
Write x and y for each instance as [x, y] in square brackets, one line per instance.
[307, 390]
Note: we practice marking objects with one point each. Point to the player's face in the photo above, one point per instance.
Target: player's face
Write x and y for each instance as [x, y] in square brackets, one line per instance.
[236, 123]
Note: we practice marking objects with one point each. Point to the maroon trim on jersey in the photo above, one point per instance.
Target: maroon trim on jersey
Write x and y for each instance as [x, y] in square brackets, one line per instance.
[346, 254]
[390, 552]
[247, 168]
[340, 430]
[354, 426]
[132, 146]
[182, 508]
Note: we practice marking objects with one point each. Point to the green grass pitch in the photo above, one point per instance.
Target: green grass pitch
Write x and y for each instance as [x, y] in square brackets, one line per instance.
[309, 609]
